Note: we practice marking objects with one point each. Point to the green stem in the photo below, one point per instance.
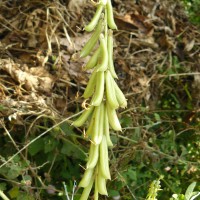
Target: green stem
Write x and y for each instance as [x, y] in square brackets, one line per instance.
[3, 196]
[106, 26]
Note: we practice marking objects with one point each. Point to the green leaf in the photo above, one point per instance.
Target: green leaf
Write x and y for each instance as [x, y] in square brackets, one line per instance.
[195, 194]
[50, 144]
[2, 186]
[24, 196]
[14, 192]
[16, 159]
[113, 193]
[3, 170]
[36, 147]
[126, 121]
[2, 108]
[66, 128]
[14, 172]
[157, 117]
[70, 149]
[189, 191]
[132, 175]
[11, 172]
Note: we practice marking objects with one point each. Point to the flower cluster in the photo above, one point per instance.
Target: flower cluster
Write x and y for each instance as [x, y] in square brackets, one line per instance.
[105, 97]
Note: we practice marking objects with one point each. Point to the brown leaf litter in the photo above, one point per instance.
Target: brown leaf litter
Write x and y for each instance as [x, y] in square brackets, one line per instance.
[38, 40]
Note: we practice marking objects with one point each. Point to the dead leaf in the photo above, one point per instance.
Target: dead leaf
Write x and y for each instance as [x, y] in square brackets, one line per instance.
[189, 44]
[29, 81]
[138, 21]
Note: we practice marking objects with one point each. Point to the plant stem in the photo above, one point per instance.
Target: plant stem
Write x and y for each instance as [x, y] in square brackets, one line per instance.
[42, 134]
[3, 196]
[106, 26]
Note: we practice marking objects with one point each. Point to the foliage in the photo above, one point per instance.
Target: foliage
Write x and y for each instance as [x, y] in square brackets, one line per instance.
[192, 8]
[189, 194]
[56, 157]
[166, 142]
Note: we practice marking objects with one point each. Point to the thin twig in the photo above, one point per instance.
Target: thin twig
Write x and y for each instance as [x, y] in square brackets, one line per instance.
[15, 145]
[35, 139]
[73, 190]
[66, 192]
